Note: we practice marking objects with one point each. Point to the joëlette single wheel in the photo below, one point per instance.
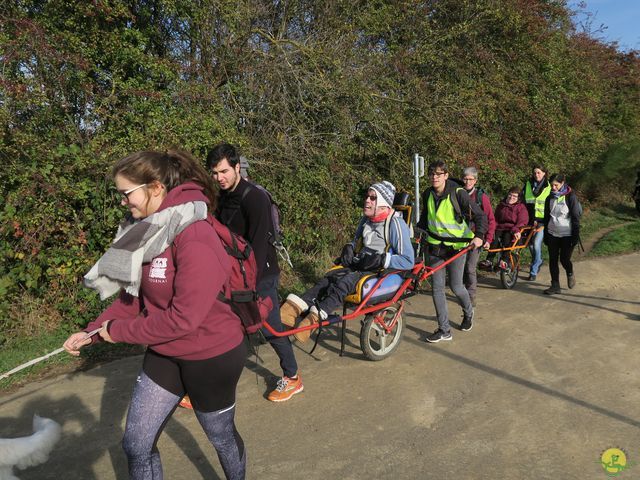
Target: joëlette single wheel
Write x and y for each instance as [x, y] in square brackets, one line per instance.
[378, 338]
[509, 277]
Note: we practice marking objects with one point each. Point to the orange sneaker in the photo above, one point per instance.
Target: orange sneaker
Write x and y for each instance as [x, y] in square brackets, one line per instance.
[186, 403]
[286, 388]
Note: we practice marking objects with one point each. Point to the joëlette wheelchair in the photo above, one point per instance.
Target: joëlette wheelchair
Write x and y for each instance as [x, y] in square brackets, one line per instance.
[509, 274]
[379, 297]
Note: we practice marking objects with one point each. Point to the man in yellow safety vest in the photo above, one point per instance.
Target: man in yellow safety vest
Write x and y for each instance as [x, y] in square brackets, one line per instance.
[448, 210]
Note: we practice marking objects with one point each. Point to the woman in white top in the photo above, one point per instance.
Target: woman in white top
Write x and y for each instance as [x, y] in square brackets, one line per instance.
[561, 230]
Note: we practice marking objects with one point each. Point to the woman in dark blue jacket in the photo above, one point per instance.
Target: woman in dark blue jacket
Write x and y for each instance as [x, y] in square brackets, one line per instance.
[561, 230]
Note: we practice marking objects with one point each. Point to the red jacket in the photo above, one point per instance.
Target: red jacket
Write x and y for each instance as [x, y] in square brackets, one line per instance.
[511, 216]
[182, 316]
[488, 210]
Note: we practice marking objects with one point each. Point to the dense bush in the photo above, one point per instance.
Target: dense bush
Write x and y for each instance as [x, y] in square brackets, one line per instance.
[323, 97]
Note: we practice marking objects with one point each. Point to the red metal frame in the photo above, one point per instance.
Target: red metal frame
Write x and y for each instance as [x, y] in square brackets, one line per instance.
[394, 320]
[419, 273]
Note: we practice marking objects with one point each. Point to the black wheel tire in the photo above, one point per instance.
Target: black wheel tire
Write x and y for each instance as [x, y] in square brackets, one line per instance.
[375, 342]
[509, 278]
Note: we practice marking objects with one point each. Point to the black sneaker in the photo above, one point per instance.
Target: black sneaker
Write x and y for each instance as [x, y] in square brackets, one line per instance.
[439, 336]
[467, 322]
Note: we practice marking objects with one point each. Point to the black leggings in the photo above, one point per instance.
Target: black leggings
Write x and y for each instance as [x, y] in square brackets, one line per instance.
[559, 248]
[210, 383]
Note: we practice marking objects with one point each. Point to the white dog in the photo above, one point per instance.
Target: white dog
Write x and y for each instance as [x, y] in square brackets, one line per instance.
[26, 452]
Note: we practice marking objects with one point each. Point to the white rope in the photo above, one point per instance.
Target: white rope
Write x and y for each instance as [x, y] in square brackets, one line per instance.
[44, 357]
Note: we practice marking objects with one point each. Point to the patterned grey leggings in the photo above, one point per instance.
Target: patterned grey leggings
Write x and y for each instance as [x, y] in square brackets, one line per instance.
[150, 409]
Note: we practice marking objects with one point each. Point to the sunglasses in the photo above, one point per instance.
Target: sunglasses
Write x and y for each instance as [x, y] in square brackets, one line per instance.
[373, 198]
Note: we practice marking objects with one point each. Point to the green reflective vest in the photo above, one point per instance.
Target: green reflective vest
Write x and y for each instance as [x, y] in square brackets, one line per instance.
[442, 225]
[537, 202]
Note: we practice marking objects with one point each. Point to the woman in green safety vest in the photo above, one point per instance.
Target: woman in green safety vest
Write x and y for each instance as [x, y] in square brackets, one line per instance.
[535, 192]
[447, 213]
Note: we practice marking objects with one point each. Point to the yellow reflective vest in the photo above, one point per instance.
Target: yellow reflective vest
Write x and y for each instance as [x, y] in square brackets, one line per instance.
[442, 225]
[537, 202]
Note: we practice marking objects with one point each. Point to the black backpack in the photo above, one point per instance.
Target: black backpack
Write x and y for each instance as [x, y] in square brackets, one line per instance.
[480, 193]
[276, 230]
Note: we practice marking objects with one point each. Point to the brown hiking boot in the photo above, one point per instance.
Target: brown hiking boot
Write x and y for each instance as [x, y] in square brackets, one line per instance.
[553, 289]
[571, 280]
[312, 318]
[291, 309]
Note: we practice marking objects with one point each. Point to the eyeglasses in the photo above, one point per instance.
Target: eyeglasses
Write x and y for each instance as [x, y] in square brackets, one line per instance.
[373, 198]
[469, 179]
[125, 195]
[436, 174]
[513, 195]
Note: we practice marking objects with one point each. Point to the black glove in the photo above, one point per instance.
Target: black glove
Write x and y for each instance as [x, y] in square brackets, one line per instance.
[370, 262]
[346, 257]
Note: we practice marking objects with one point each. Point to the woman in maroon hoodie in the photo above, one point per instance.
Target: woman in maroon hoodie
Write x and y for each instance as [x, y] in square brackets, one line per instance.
[168, 264]
[511, 215]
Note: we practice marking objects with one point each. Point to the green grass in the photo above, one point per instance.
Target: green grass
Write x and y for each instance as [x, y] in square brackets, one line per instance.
[19, 351]
[622, 240]
[595, 220]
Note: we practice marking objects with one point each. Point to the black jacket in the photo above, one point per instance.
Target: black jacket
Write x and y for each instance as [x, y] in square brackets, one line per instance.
[249, 215]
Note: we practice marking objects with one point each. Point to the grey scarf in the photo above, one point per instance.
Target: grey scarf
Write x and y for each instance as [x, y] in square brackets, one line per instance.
[138, 242]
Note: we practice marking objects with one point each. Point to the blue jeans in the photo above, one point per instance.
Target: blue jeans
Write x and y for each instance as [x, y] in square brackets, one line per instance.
[536, 252]
[268, 287]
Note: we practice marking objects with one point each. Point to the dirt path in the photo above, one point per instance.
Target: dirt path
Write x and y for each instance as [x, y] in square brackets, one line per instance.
[539, 389]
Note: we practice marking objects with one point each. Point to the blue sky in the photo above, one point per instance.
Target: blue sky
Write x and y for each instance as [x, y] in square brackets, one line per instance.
[622, 17]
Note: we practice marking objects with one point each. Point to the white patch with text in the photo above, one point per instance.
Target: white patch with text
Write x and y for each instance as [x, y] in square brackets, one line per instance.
[158, 268]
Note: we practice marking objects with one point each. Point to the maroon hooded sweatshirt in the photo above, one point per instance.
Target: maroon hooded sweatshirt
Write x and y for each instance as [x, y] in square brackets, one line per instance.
[180, 314]
[511, 216]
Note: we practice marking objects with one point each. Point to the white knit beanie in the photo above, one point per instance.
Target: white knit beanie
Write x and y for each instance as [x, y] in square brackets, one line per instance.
[386, 192]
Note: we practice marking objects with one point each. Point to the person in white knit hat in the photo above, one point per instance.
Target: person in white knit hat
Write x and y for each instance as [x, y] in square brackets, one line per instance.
[382, 240]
